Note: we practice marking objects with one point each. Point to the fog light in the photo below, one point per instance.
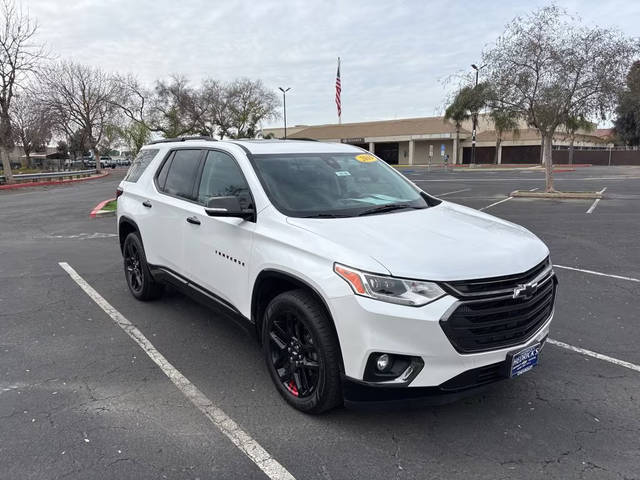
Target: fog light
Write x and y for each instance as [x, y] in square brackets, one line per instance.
[383, 362]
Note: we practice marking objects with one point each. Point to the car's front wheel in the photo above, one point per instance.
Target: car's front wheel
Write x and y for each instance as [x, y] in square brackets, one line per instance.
[302, 352]
[139, 280]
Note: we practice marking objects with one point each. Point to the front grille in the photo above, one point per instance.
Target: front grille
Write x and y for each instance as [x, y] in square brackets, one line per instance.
[499, 320]
[495, 285]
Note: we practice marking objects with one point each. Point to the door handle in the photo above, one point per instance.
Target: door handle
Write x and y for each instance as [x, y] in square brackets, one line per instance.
[146, 203]
[193, 220]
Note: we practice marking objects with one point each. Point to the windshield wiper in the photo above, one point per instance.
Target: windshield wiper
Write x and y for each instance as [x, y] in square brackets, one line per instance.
[387, 208]
[326, 215]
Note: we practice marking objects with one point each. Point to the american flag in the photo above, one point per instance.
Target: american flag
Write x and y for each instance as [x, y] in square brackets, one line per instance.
[338, 90]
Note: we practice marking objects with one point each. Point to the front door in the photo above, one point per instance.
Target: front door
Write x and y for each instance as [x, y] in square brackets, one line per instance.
[218, 248]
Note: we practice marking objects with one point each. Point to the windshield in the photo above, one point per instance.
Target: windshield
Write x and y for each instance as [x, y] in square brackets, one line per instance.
[334, 184]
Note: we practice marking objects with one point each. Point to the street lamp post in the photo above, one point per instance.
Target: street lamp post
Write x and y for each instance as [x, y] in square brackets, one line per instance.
[475, 118]
[284, 104]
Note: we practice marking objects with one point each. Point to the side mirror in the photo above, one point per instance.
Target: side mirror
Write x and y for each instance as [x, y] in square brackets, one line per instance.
[228, 207]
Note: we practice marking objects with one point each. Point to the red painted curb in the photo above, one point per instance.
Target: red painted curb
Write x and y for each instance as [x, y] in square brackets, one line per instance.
[98, 207]
[50, 182]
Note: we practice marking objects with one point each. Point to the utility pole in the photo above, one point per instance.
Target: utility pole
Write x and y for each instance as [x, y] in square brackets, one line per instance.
[475, 118]
[284, 104]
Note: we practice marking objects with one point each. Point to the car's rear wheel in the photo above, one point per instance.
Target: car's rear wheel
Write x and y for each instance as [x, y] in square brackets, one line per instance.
[302, 352]
[136, 270]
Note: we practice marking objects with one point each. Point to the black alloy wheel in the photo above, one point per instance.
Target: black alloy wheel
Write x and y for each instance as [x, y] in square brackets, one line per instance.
[294, 355]
[133, 269]
[139, 280]
[302, 351]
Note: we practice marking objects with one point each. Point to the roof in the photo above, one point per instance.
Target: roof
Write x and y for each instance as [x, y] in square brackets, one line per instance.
[604, 132]
[384, 128]
[293, 146]
[531, 134]
[260, 146]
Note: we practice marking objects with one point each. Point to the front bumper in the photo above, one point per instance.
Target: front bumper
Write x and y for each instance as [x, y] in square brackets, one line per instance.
[365, 326]
[362, 394]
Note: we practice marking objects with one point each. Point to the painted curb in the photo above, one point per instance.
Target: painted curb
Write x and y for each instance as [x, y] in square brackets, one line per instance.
[104, 213]
[98, 212]
[574, 195]
[51, 182]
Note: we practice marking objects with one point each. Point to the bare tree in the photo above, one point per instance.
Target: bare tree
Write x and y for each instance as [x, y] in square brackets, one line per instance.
[20, 56]
[81, 98]
[250, 102]
[549, 67]
[175, 110]
[31, 125]
[172, 108]
[217, 117]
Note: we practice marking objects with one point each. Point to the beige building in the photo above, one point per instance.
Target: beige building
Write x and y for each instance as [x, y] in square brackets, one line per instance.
[431, 140]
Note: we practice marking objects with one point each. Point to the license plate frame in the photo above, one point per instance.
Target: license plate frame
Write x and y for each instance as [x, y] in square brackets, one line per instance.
[523, 360]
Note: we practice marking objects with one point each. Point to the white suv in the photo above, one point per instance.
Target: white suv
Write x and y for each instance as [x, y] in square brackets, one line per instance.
[360, 286]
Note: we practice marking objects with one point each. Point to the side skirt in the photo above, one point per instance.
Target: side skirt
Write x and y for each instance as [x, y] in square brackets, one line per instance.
[202, 296]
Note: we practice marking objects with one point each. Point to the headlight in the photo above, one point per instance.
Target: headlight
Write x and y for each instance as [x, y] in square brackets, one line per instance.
[389, 289]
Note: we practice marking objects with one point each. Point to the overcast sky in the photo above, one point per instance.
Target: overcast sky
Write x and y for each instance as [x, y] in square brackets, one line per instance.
[395, 54]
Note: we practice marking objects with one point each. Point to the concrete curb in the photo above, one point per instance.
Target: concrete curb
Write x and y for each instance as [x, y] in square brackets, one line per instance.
[579, 195]
[99, 212]
[51, 182]
[494, 168]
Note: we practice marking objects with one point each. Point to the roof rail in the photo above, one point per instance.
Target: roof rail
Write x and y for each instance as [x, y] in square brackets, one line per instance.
[183, 139]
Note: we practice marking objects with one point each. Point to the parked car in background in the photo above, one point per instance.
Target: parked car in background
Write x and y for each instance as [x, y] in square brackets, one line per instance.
[107, 162]
[123, 162]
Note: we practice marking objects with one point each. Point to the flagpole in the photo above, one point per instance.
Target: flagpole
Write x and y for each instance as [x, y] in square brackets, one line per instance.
[340, 109]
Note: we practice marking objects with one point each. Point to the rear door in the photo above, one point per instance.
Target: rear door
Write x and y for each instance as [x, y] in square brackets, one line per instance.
[167, 209]
[218, 249]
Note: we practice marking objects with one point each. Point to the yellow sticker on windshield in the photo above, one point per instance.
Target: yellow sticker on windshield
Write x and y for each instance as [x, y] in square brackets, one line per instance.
[366, 158]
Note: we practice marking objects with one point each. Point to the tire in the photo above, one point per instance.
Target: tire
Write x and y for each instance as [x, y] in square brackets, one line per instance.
[299, 384]
[139, 280]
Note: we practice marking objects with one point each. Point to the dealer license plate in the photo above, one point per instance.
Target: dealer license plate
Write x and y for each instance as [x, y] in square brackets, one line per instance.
[523, 360]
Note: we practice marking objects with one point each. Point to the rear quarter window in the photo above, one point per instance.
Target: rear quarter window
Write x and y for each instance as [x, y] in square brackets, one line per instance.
[140, 164]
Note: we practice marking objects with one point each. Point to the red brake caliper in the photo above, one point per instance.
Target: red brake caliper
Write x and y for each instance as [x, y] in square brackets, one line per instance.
[293, 388]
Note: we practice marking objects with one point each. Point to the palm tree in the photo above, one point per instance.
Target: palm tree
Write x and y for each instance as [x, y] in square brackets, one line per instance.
[467, 102]
[572, 125]
[504, 120]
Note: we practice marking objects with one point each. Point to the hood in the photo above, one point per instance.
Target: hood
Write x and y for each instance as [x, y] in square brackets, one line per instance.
[445, 242]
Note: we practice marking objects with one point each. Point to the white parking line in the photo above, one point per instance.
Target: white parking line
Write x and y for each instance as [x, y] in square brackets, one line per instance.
[533, 189]
[596, 201]
[224, 423]
[599, 356]
[455, 191]
[496, 203]
[593, 205]
[523, 179]
[631, 279]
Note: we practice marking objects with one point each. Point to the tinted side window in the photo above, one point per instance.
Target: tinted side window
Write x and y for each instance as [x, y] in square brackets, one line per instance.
[162, 175]
[140, 163]
[222, 177]
[182, 173]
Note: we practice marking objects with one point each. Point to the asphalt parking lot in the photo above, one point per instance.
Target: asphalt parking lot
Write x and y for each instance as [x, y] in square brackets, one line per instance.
[80, 399]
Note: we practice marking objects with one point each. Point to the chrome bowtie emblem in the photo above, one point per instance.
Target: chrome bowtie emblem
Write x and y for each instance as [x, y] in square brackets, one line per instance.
[525, 290]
